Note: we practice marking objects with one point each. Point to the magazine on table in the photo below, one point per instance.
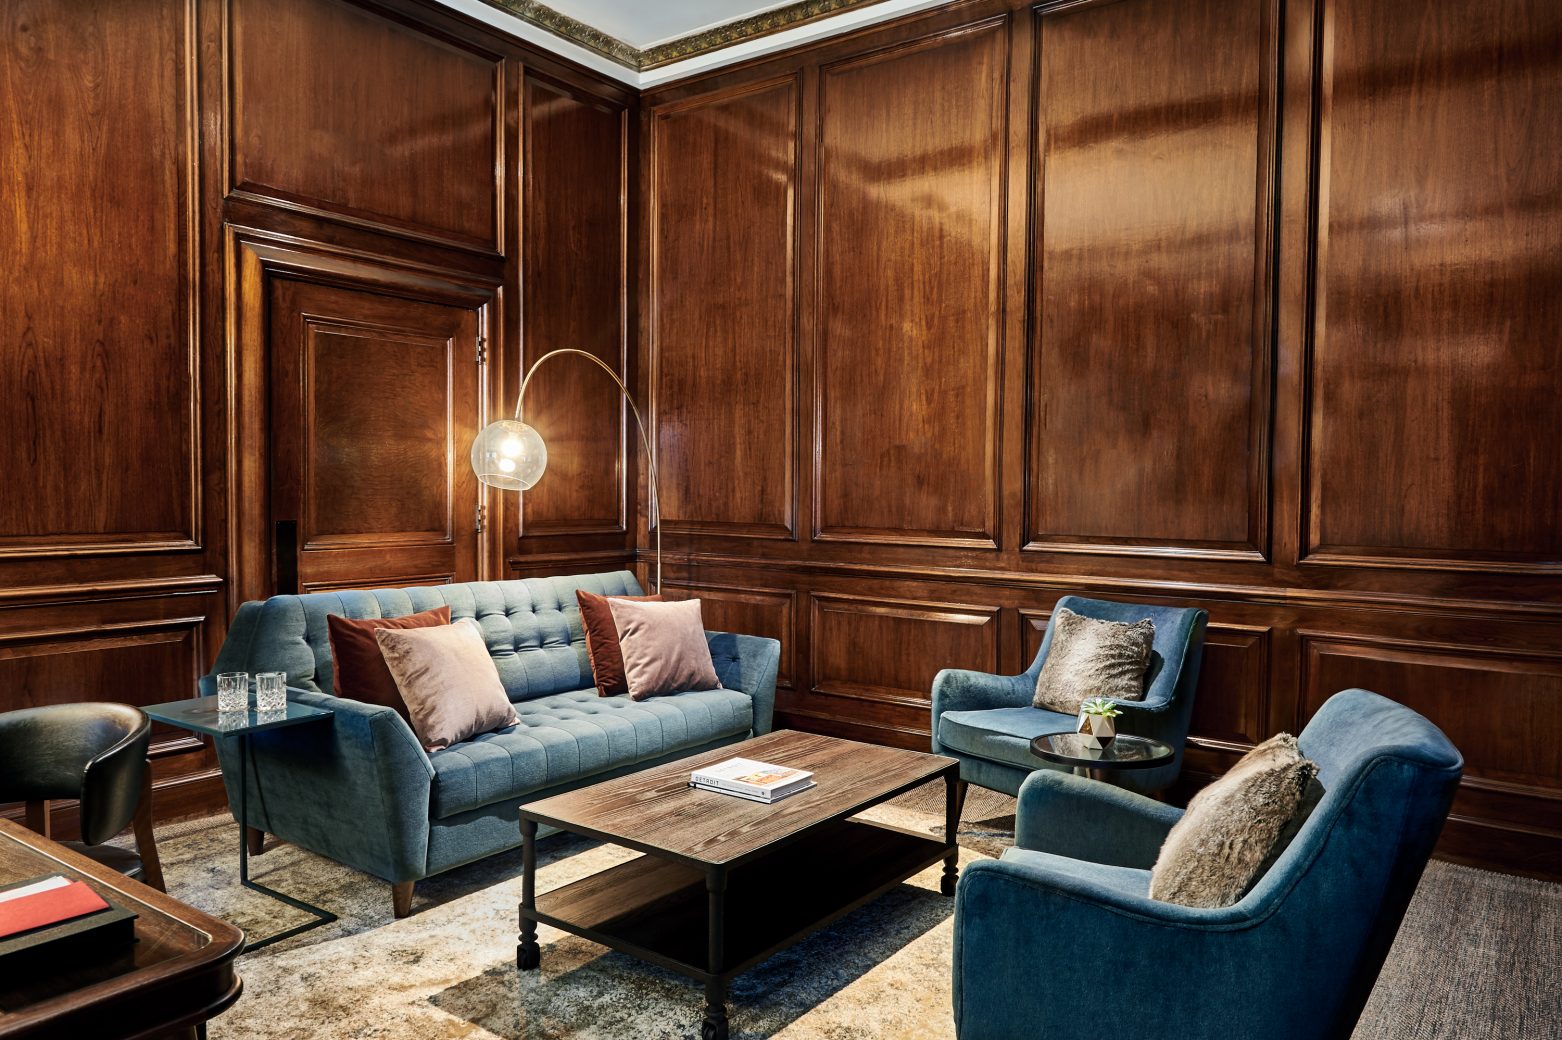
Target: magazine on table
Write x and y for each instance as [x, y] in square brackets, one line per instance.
[756, 781]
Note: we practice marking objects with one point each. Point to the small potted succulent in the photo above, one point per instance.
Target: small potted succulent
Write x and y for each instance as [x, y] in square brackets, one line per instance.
[1097, 722]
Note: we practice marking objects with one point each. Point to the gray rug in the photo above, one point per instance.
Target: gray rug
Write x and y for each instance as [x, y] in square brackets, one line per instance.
[1479, 956]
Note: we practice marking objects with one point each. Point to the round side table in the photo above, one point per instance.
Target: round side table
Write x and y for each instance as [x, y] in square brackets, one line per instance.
[1125, 752]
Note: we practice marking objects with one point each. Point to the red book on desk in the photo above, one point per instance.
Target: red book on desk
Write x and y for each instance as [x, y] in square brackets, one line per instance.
[51, 906]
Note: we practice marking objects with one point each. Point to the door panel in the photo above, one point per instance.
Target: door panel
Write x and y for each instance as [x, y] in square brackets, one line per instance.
[374, 403]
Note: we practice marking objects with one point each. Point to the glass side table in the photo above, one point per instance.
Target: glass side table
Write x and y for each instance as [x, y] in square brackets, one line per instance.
[200, 715]
[1125, 752]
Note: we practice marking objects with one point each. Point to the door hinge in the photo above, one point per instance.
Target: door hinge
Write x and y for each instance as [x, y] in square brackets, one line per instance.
[482, 350]
[480, 518]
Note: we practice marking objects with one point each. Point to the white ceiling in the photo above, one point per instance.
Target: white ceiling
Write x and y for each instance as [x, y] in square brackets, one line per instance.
[645, 23]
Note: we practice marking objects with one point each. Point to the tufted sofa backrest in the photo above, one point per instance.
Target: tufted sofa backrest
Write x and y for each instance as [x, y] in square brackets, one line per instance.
[532, 628]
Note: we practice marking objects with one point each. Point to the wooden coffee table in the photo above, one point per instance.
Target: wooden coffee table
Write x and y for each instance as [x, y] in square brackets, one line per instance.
[726, 882]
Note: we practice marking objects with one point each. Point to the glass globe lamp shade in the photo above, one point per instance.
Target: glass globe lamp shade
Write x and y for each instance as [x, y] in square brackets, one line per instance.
[509, 454]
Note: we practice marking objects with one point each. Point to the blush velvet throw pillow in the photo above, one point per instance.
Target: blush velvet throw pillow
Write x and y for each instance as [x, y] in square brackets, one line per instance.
[607, 661]
[1217, 850]
[358, 667]
[449, 682]
[1092, 658]
[664, 647]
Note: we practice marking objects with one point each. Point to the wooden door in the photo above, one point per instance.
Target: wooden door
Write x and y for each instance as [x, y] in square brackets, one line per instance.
[374, 403]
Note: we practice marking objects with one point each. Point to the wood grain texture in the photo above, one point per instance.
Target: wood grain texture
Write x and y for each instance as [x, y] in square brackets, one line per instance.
[374, 406]
[1149, 368]
[723, 301]
[180, 969]
[1433, 420]
[573, 284]
[889, 651]
[910, 231]
[655, 809]
[97, 336]
[337, 110]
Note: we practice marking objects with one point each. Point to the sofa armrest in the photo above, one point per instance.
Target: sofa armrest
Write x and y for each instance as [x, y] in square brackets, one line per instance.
[1084, 819]
[956, 689]
[749, 664]
[354, 788]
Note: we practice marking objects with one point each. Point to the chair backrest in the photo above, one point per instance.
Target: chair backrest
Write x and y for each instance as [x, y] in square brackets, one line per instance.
[532, 628]
[1175, 654]
[95, 752]
[1389, 776]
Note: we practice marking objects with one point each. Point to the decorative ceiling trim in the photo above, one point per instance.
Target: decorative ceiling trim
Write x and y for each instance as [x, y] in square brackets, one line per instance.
[637, 60]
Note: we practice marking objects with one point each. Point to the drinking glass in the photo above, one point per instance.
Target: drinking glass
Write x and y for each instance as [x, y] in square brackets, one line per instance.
[233, 691]
[271, 691]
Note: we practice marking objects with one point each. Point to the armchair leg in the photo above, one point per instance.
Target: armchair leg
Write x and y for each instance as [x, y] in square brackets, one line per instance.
[401, 898]
[146, 841]
[255, 839]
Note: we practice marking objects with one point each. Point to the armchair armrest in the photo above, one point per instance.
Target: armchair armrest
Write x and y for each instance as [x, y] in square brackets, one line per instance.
[354, 788]
[1083, 819]
[1035, 949]
[749, 664]
[956, 689]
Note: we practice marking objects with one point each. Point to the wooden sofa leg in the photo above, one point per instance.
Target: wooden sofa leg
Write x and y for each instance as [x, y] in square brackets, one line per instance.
[401, 898]
[255, 838]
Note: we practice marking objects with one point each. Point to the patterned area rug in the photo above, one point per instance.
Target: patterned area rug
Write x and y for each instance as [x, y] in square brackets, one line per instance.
[1478, 956]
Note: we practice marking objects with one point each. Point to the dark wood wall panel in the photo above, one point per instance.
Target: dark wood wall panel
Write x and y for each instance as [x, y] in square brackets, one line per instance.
[723, 316]
[770, 613]
[341, 110]
[910, 234]
[1128, 299]
[574, 241]
[1150, 393]
[1434, 421]
[97, 335]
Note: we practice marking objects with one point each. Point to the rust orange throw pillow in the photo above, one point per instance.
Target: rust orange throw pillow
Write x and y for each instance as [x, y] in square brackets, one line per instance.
[356, 660]
[607, 661]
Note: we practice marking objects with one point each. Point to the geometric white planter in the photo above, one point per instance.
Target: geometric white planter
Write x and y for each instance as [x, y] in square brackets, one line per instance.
[1098, 730]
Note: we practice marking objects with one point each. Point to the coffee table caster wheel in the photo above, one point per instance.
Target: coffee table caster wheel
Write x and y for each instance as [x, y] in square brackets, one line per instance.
[713, 1029]
[528, 956]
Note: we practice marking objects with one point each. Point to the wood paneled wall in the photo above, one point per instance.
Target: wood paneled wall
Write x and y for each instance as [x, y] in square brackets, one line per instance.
[253, 252]
[1248, 304]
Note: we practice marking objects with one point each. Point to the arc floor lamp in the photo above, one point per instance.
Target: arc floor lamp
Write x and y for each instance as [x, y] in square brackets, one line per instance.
[510, 455]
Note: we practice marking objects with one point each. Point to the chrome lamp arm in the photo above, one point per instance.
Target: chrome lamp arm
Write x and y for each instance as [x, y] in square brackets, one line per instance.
[510, 455]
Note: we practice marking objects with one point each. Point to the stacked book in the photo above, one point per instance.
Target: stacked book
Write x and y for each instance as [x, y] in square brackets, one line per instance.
[756, 781]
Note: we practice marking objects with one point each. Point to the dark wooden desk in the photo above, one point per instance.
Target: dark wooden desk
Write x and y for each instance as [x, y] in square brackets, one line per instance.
[178, 975]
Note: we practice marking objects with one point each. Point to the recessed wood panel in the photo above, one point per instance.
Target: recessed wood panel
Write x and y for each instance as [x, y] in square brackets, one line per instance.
[338, 110]
[723, 310]
[911, 230]
[750, 611]
[1497, 706]
[1150, 361]
[378, 450]
[1434, 368]
[572, 287]
[97, 243]
[1233, 692]
[888, 651]
[129, 662]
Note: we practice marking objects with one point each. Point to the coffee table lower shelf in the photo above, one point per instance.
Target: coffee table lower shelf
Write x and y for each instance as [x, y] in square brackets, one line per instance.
[661, 910]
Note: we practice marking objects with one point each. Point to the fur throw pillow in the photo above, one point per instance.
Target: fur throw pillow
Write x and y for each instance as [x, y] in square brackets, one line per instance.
[1215, 852]
[1093, 658]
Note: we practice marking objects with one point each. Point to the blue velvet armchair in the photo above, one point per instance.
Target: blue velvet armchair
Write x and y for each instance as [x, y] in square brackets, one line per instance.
[987, 722]
[1059, 939]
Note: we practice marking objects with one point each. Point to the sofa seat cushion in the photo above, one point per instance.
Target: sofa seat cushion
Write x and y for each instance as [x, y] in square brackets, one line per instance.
[572, 736]
[1001, 734]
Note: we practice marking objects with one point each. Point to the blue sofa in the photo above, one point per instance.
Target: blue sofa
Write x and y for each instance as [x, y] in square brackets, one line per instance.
[987, 721]
[362, 791]
[1059, 939]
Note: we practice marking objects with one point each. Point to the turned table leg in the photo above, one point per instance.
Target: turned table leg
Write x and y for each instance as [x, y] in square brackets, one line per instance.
[528, 955]
[954, 801]
[715, 1025]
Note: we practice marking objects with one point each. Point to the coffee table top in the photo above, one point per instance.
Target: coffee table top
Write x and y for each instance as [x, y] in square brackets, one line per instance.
[1125, 751]
[656, 811]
